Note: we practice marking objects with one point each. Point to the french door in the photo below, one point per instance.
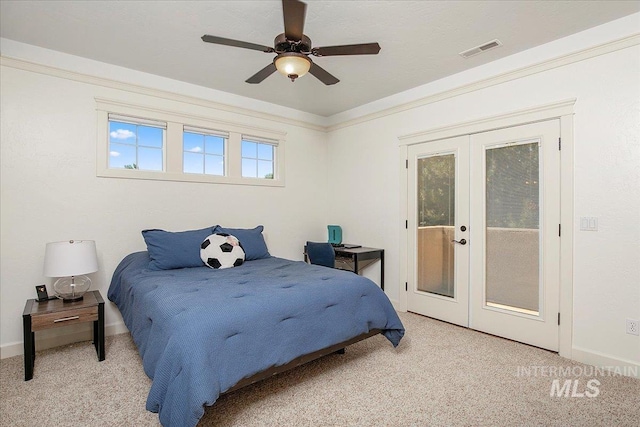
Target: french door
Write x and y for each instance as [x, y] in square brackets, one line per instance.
[438, 211]
[484, 248]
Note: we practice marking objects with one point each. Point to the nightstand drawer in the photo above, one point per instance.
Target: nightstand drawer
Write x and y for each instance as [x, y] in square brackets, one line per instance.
[63, 318]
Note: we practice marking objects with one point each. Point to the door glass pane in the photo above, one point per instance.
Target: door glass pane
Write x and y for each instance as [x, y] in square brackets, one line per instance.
[436, 220]
[513, 228]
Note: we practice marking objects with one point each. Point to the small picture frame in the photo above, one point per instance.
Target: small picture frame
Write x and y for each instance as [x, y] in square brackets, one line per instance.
[43, 295]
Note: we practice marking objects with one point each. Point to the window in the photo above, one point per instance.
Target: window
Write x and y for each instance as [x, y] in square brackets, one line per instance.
[257, 159]
[203, 151]
[136, 143]
[146, 142]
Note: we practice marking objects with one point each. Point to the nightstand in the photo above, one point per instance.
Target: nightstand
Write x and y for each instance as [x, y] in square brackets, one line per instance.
[55, 313]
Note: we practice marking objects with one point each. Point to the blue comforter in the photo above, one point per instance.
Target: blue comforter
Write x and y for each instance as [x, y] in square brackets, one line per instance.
[199, 331]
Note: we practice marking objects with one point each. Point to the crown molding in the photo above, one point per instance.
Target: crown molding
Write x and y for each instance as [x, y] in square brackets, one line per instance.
[560, 61]
[484, 124]
[21, 64]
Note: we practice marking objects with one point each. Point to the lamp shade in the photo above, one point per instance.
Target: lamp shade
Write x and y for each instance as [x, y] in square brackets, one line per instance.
[292, 64]
[70, 258]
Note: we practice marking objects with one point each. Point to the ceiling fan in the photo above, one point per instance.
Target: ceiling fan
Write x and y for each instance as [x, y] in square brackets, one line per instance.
[293, 48]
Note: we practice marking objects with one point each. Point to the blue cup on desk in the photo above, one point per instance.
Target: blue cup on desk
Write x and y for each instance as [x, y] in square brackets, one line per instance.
[335, 234]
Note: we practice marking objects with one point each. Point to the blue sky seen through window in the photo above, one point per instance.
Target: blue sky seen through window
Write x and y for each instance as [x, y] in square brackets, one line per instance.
[257, 160]
[203, 154]
[133, 146]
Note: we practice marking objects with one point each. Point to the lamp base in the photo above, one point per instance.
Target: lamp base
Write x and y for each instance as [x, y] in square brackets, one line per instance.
[72, 288]
[80, 298]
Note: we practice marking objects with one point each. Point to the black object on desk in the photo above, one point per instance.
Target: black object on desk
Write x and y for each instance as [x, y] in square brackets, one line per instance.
[43, 295]
[359, 256]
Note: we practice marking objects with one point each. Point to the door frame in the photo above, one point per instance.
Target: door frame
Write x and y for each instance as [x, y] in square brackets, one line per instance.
[562, 110]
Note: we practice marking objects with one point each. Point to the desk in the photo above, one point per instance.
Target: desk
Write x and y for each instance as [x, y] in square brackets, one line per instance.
[359, 257]
[56, 313]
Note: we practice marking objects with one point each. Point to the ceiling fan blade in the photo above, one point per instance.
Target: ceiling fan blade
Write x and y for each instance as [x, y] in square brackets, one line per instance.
[236, 43]
[348, 49]
[322, 75]
[294, 12]
[262, 74]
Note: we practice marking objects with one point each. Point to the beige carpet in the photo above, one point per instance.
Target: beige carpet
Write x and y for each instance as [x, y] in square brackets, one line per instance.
[440, 375]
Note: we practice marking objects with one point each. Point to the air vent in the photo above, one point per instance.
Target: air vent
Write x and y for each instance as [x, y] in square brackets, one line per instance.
[482, 48]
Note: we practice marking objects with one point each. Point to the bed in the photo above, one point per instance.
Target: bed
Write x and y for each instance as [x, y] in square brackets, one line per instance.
[203, 332]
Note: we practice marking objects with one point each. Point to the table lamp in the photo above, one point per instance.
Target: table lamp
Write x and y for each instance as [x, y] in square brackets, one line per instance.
[70, 261]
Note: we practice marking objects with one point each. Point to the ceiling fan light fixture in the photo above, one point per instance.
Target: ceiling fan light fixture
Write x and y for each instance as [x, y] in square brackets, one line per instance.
[293, 49]
[292, 64]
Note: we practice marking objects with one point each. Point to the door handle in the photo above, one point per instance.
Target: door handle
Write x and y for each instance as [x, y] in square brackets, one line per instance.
[461, 241]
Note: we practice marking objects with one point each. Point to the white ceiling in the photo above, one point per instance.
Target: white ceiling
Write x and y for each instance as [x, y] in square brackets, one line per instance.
[420, 40]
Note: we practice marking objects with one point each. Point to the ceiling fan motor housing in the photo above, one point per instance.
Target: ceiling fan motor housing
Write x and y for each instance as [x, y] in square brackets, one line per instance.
[281, 44]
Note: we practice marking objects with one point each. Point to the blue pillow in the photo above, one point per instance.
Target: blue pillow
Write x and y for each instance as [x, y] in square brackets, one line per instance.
[251, 239]
[169, 250]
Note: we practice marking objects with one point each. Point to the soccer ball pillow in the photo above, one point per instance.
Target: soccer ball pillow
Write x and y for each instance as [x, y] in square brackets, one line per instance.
[221, 251]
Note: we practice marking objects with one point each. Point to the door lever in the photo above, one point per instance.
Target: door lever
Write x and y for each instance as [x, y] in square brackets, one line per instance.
[461, 241]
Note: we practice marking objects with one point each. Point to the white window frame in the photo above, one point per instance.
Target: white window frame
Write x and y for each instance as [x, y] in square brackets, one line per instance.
[208, 132]
[141, 122]
[257, 140]
[173, 147]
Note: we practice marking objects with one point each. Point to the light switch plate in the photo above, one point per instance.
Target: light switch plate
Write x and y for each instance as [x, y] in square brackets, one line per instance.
[588, 223]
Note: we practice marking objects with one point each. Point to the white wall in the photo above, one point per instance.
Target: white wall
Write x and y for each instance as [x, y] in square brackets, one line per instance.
[607, 176]
[50, 191]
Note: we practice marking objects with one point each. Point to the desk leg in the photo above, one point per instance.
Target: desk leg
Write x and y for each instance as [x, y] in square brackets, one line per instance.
[382, 269]
[98, 333]
[29, 347]
[355, 264]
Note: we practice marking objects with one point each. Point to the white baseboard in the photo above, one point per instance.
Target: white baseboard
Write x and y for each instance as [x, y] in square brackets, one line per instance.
[617, 365]
[622, 366]
[45, 342]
